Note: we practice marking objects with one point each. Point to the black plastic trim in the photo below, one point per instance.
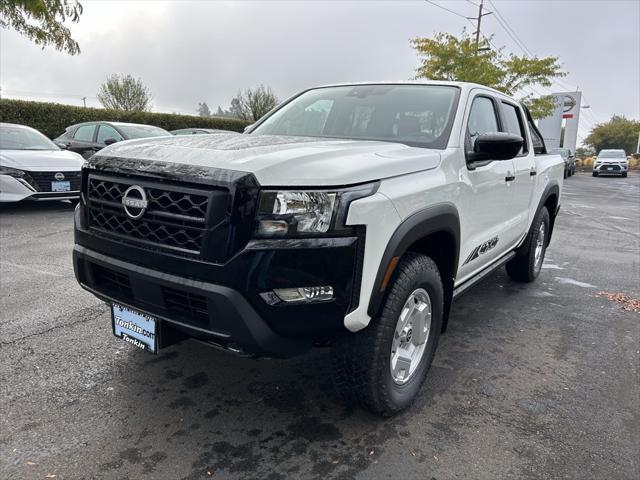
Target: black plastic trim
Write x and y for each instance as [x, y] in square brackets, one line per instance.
[437, 218]
[252, 332]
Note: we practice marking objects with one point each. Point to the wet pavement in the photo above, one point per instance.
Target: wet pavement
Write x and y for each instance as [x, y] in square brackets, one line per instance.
[530, 381]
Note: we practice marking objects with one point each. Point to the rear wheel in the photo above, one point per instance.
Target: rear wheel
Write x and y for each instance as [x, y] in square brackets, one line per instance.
[525, 267]
[383, 366]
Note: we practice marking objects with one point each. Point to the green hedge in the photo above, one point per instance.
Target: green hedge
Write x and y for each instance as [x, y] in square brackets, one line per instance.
[52, 118]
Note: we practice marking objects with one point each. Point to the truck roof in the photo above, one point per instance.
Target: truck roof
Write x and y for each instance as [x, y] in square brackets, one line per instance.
[462, 85]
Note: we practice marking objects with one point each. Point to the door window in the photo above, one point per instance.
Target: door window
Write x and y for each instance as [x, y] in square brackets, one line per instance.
[513, 123]
[107, 131]
[84, 133]
[482, 119]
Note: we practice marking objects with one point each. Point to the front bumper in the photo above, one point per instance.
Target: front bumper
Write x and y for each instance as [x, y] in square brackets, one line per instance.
[611, 168]
[221, 303]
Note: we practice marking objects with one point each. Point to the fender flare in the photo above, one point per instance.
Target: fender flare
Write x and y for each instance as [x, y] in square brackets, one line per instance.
[551, 189]
[441, 217]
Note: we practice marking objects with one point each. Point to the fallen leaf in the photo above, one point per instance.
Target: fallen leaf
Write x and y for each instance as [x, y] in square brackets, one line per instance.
[629, 304]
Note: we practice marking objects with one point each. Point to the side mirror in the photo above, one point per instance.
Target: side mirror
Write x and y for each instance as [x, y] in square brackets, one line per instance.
[248, 127]
[110, 141]
[496, 146]
[62, 145]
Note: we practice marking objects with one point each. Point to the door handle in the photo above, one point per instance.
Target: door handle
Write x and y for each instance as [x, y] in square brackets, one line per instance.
[509, 178]
[532, 173]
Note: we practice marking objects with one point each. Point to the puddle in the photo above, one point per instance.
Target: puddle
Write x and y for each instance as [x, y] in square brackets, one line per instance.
[571, 281]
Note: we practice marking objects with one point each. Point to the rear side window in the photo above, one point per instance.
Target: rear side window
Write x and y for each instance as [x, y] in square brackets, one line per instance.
[85, 133]
[482, 119]
[536, 140]
[513, 123]
[107, 131]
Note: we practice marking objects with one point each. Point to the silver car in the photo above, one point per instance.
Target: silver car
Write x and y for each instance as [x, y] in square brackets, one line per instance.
[611, 162]
[32, 167]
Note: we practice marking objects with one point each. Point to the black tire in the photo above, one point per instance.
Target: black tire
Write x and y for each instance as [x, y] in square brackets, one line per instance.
[565, 173]
[624, 175]
[594, 174]
[362, 360]
[524, 268]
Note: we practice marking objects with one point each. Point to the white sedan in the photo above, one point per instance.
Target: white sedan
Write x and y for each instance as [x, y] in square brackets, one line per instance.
[32, 167]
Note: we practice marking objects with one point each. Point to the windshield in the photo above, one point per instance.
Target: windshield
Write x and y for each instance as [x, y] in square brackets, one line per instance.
[416, 115]
[142, 131]
[24, 138]
[612, 154]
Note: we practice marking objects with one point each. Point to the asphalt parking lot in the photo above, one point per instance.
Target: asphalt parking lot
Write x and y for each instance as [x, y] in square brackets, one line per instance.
[531, 381]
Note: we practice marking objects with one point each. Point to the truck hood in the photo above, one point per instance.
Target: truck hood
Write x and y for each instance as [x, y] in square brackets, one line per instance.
[277, 160]
[43, 160]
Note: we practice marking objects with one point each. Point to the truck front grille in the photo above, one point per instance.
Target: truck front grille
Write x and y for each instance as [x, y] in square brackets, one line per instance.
[175, 218]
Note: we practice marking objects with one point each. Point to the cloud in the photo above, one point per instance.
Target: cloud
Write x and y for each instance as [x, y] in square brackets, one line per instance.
[188, 52]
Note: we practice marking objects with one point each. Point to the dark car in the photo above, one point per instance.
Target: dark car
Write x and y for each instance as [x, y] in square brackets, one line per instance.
[89, 137]
[569, 160]
[198, 131]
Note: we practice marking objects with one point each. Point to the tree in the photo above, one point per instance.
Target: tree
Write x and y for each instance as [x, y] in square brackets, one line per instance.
[582, 152]
[619, 132]
[203, 109]
[447, 57]
[42, 21]
[123, 92]
[251, 104]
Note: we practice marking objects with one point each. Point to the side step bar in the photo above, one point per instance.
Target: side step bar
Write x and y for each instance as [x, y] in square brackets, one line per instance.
[460, 289]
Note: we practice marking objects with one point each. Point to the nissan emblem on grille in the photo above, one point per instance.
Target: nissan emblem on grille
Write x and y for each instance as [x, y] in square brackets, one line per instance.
[59, 176]
[134, 201]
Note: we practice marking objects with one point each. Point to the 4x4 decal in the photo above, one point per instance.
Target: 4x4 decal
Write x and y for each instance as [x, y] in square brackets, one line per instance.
[482, 249]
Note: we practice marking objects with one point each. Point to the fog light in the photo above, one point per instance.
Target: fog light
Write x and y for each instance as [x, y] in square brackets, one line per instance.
[304, 294]
[273, 227]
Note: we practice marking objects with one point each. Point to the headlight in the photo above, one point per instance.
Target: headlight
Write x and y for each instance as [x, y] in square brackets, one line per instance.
[294, 212]
[12, 172]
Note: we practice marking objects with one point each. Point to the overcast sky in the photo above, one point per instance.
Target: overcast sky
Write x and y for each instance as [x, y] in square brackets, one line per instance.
[193, 51]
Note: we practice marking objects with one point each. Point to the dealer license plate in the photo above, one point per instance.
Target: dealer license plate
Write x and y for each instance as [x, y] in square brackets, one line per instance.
[609, 168]
[61, 186]
[136, 328]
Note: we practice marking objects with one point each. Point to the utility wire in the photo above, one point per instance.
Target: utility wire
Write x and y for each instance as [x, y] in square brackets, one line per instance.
[468, 19]
[448, 10]
[510, 31]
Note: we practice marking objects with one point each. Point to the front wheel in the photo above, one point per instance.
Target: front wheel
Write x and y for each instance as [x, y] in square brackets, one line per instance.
[594, 174]
[383, 366]
[526, 265]
[624, 175]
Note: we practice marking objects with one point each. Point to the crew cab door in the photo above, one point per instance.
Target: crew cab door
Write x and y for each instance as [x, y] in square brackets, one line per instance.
[487, 211]
[513, 121]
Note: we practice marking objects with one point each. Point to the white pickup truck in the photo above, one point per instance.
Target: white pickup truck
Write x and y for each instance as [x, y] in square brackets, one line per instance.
[351, 216]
